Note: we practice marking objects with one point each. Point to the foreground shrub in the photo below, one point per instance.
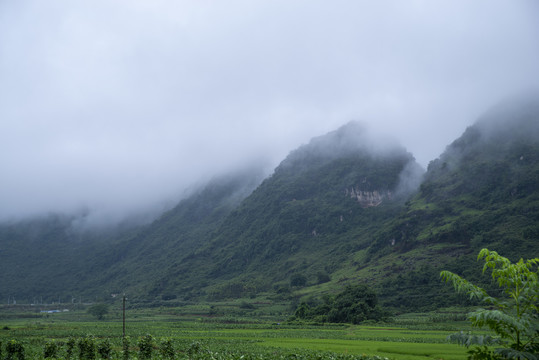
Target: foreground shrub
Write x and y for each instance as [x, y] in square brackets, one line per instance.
[195, 349]
[145, 345]
[70, 346]
[14, 350]
[50, 350]
[166, 349]
[86, 348]
[125, 347]
[513, 317]
[104, 349]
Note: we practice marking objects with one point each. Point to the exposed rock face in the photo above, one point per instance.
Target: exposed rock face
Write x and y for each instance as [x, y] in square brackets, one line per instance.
[368, 198]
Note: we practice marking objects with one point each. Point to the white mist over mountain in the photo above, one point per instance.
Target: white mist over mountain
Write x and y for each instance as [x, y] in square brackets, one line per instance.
[120, 106]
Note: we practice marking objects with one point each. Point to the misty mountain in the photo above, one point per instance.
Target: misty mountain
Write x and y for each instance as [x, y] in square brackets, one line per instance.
[322, 199]
[483, 191]
[50, 258]
[348, 207]
[486, 183]
[140, 258]
[44, 257]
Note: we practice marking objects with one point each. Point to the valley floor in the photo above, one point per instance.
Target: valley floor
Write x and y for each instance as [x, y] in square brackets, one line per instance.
[406, 337]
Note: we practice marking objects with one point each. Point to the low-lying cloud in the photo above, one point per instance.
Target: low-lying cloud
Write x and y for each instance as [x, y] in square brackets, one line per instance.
[118, 106]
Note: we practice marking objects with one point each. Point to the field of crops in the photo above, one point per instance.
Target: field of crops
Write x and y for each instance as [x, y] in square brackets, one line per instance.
[163, 334]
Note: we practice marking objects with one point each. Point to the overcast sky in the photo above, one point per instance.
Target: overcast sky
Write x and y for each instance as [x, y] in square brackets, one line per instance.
[118, 105]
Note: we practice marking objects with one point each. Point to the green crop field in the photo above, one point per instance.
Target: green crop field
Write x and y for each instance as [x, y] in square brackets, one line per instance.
[410, 337]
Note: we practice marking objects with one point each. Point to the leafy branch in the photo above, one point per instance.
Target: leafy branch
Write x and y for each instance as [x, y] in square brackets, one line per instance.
[513, 318]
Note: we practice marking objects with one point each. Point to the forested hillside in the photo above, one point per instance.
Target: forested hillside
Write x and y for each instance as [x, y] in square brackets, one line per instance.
[346, 208]
[49, 259]
[483, 191]
[317, 208]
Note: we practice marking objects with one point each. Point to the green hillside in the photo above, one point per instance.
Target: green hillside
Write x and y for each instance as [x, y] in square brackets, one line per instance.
[48, 259]
[346, 208]
[318, 207]
[483, 191]
[39, 257]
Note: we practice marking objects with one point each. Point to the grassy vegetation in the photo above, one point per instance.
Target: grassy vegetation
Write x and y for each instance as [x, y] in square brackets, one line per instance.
[193, 334]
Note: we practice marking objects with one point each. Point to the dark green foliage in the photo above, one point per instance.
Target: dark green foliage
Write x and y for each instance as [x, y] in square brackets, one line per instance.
[485, 353]
[195, 348]
[420, 288]
[166, 349]
[512, 316]
[70, 347]
[247, 306]
[298, 280]
[354, 304]
[14, 350]
[234, 290]
[322, 277]
[99, 310]
[51, 349]
[145, 345]
[86, 347]
[126, 351]
[104, 349]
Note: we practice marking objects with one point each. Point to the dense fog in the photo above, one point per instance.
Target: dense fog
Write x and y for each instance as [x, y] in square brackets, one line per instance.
[115, 108]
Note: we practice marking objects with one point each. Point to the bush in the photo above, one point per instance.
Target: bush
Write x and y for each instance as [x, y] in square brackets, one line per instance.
[145, 345]
[125, 347]
[14, 350]
[195, 348]
[166, 349]
[50, 350]
[86, 347]
[70, 348]
[104, 349]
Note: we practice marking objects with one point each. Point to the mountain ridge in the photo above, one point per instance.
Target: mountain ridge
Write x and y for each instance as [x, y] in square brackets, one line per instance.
[344, 208]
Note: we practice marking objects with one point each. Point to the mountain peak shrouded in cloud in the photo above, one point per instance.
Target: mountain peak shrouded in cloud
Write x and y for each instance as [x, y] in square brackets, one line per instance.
[499, 149]
[515, 119]
[350, 139]
[369, 150]
[119, 107]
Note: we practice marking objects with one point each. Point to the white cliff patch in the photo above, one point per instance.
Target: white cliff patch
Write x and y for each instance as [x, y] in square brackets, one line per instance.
[368, 198]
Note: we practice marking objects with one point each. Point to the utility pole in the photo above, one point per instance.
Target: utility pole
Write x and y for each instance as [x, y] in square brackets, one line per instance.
[123, 317]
